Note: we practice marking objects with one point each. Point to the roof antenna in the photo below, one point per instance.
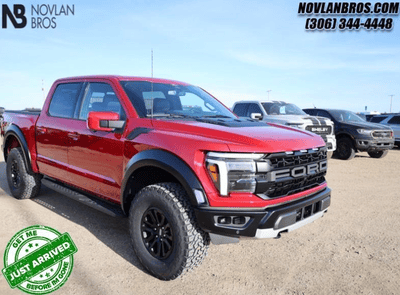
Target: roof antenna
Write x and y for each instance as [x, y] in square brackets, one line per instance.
[152, 99]
[43, 90]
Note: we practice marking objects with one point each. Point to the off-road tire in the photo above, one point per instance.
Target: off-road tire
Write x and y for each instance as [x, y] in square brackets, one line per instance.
[345, 149]
[22, 184]
[378, 154]
[189, 242]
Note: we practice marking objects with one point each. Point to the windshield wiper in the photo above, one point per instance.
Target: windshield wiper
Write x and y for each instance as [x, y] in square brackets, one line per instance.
[216, 116]
[173, 115]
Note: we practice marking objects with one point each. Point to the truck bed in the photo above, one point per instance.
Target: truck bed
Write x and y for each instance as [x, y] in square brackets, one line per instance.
[26, 111]
[25, 122]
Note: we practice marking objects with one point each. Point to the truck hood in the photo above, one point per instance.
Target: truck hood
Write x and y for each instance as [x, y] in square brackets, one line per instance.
[298, 119]
[242, 135]
[367, 125]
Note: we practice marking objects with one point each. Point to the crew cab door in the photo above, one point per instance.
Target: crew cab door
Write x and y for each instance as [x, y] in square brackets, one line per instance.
[53, 128]
[96, 157]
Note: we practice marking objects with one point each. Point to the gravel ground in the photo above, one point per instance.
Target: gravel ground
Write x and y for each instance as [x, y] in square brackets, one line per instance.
[353, 249]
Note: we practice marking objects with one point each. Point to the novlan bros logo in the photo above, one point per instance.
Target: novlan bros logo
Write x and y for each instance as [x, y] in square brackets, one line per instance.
[18, 13]
[43, 16]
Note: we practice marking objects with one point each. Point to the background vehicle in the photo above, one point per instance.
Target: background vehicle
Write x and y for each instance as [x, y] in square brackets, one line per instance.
[354, 134]
[391, 120]
[180, 164]
[280, 112]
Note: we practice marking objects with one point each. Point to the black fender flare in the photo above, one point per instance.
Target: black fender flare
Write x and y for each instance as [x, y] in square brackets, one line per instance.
[169, 163]
[14, 130]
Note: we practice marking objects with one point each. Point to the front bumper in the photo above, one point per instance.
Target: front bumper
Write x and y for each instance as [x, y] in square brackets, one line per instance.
[370, 145]
[266, 223]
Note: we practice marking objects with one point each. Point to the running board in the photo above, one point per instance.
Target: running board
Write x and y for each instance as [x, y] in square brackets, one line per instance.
[93, 202]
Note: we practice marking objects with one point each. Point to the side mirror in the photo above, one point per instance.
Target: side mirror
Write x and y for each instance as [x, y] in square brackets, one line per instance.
[104, 121]
[256, 116]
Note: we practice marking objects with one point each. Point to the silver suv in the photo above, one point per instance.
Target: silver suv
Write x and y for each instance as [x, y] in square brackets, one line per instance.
[391, 120]
[288, 114]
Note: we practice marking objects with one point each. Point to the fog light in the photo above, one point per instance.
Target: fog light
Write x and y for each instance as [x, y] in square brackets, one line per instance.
[224, 220]
[239, 220]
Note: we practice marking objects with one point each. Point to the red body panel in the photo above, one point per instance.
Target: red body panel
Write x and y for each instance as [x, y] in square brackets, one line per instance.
[95, 161]
[27, 124]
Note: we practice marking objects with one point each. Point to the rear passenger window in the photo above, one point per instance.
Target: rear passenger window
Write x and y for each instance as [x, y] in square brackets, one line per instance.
[100, 97]
[394, 120]
[377, 119]
[241, 109]
[64, 100]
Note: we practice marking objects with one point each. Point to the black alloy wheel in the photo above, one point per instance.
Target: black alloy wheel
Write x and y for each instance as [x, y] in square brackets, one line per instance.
[164, 232]
[15, 175]
[378, 154]
[22, 184]
[157, 233]
[345, 149]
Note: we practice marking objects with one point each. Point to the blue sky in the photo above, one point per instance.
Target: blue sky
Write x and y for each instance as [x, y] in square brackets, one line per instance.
[236, 50]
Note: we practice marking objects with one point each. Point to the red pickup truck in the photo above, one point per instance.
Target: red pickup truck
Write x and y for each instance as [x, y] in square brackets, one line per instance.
[177, 162]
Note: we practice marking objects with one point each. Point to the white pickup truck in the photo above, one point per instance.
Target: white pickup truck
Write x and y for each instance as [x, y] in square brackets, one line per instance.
[288, 114]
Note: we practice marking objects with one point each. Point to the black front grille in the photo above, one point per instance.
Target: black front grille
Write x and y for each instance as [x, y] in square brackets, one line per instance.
[269, 188]
[318, 129]
[382, 134]
[293, 186]
[283, 160]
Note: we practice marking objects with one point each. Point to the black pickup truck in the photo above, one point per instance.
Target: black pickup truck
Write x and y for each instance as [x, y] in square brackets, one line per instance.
[353, 134]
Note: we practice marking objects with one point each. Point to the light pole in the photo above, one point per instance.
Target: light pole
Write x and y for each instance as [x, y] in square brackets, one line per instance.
[391, 96]
[268, 93]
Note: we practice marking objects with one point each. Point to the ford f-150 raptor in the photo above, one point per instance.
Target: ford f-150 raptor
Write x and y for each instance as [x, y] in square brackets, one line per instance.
[171, 157]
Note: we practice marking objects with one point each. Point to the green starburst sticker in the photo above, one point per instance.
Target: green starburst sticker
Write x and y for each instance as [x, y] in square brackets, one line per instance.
[38, 259]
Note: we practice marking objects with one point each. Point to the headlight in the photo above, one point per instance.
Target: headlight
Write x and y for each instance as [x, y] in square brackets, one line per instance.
[233, 172]
[294, 125]
[364, 131]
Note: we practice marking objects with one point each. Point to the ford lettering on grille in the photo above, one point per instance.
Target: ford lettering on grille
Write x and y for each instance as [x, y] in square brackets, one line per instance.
[299, 171]
[291, 172]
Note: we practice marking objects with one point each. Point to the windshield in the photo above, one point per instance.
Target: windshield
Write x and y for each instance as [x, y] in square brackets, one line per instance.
[282, 108]
[345, 116]
[168, 100]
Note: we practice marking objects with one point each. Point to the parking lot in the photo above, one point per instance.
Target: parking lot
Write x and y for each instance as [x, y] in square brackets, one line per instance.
[354, 249]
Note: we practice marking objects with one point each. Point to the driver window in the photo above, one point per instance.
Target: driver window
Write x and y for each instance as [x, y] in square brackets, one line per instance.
[100, 97]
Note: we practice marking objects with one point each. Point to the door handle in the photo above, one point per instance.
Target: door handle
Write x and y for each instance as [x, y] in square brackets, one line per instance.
[73, 135]
[41, 130]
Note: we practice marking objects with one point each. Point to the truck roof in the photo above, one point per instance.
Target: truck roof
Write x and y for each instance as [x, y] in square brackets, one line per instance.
[328, 110]
[122, 78]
